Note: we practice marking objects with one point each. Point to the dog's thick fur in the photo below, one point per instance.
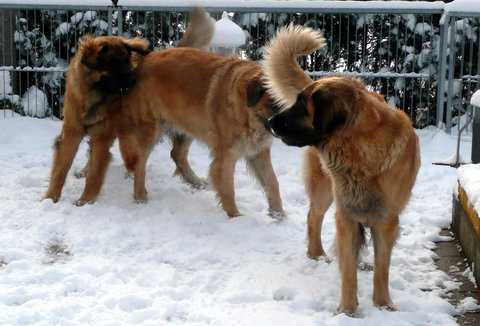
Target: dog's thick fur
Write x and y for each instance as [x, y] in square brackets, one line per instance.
[192, 94]
[199, 33]
[97, 77]
[362, 154]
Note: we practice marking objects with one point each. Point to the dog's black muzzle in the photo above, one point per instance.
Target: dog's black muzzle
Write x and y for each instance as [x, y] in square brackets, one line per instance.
[117, 83]
[127, 81]
[291, 130]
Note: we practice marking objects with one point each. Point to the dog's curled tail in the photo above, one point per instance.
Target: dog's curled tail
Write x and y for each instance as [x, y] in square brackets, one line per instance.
[199, 33]
[284, 76]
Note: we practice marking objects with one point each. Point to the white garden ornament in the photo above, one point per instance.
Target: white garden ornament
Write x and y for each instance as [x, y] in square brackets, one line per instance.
[228, 36]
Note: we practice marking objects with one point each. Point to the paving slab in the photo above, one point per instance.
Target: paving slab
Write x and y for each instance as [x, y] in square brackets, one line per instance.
[453, 262]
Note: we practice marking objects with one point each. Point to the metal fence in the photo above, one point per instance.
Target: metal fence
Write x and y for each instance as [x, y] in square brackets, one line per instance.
[459, 67]
[423, 59]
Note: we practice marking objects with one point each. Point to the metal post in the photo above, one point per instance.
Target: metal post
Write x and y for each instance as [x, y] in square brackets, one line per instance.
[442, 68]
[110, 20]
[451, 75]
[119, 21]
[476, 135]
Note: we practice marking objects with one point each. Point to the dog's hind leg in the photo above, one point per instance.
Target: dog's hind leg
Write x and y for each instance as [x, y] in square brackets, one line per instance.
[221, 174]
[384, 236]
[129, 150]
[66, 146]
[97, 168]
[320, 200]
[179, 154]
[261, 167]
[319, 190]
[148, 136]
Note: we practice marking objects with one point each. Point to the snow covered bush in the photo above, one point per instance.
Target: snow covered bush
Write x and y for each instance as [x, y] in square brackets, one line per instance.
[35, 104]
[8, 101]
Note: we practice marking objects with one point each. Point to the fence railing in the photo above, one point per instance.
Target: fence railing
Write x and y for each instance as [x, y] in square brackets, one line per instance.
[415, 53]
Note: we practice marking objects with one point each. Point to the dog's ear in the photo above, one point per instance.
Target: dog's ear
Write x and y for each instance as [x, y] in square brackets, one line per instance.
[255, 91]
[88, 49]
[139, 45]
[87, 46]
[329, 111]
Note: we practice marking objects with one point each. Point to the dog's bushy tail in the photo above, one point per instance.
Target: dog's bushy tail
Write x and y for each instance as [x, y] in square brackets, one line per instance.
[284, 77]
[199, 33]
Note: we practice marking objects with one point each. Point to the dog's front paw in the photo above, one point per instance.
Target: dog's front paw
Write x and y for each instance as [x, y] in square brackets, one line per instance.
[53, 198]
[322, 257]
[233, 214]
[277, 215]
[82, 202]
[315, 250]
[387, 306]
[196, 183]
[140, 198]
[365, 266]
[79, 174]
[350, 311]
[201, 184]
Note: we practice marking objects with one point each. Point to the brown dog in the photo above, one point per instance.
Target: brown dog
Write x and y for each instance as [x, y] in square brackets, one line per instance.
[363, 154]
[99, 74]
[218, 100]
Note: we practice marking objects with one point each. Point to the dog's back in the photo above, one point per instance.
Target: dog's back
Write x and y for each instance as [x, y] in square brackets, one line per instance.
[197, 90]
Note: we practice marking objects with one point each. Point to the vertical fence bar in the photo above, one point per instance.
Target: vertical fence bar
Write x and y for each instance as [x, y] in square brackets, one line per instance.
[451, 74]
[442, 68]
[119, 21]
[460, 76]
[109, 20]
[420, 102]
[469, 77]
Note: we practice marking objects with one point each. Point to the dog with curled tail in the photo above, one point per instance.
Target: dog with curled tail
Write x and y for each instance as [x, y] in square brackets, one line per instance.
[360, 153]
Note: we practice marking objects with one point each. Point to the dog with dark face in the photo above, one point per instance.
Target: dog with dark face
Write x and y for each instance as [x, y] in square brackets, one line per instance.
[97, 77]
[361, 154]
[220, 101]
[98, 80]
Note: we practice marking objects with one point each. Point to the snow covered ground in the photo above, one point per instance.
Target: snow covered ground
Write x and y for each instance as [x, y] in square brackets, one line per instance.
[179, 260]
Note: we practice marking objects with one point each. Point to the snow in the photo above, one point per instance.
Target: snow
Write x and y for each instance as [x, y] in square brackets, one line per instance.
[227, 33]
[422, 28]
[469, 179]
[178, 259]
[475, 100]
[63, 29]
[76, 18]
[5, 81]
[35, 103]
[463, 5]
[469, 304]
[469, 175]
[103, 25]
[90, 15]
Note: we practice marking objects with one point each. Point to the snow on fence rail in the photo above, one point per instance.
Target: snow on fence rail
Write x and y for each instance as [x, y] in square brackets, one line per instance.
[405, 50]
